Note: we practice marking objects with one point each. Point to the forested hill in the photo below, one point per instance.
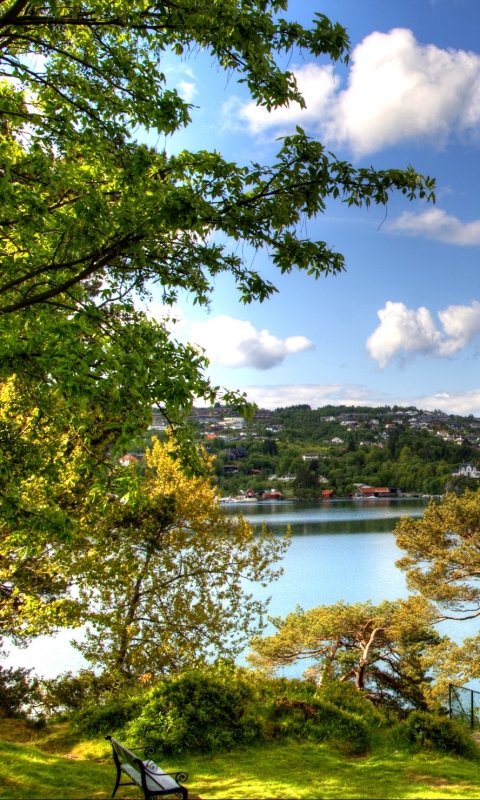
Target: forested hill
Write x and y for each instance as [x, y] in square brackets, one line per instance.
[413, 450]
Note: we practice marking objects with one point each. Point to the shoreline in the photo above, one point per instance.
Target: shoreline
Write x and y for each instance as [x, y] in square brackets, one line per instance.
[286, 501]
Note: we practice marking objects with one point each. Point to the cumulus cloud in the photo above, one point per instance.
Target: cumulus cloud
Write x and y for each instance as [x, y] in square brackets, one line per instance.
[318, 395]
[402, 330]
[437, 224]
[235, 343]
[398, 89]
[405, 332]
[461, 324]
[317, 85]
[453, 402]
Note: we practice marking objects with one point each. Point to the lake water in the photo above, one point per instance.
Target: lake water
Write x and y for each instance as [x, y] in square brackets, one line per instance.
[340, 550]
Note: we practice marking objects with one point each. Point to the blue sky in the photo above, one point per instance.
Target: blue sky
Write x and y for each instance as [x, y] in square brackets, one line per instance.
[402, 325]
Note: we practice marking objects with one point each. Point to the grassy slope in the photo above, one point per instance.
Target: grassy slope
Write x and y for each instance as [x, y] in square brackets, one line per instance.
[51, 765]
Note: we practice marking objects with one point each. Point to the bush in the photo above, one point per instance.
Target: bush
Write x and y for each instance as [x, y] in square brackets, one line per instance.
[320, 720]
[439, 733]
[199, 712]
[222, 707]
[346, 696]
[18, 692]
[70, 692]
[108, 716]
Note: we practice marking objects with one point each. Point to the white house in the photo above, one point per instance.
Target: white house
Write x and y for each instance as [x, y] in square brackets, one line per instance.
[336, 440]
[236, 423]
[467, 470]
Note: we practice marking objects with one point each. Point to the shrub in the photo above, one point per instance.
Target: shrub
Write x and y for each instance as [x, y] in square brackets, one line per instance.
[108, 716]
[346, 696]
[18, 692]
[70, 692]
[199, 712]
[439, 733]
[222, 707]
[320, 720]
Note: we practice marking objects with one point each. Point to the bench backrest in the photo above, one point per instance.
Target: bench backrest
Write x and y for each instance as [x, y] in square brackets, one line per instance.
[125, 756]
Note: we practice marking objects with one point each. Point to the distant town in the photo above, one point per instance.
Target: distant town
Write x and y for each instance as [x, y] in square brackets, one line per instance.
[334, 451]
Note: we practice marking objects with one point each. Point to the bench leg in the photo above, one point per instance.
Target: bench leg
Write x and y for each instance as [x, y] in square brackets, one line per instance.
[117, 782]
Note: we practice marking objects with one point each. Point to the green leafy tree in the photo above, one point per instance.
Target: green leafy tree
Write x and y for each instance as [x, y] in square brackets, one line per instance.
[269, 447]
[162, 579]
[306, 485]
[442, 564]
[92, 218]
[442, 560]
[378, 648]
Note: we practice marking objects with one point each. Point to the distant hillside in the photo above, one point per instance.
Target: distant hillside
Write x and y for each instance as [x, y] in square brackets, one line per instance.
[406, 448]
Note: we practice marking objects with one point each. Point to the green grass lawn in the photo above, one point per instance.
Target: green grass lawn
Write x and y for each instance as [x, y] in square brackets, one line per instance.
[50, 764]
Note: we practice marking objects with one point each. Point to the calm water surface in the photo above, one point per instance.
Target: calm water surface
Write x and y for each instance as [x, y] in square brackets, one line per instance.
[340, 550]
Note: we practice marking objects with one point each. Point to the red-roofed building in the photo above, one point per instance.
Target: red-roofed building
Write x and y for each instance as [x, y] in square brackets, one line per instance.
[128, 460]
[327, 494]
[375, 491]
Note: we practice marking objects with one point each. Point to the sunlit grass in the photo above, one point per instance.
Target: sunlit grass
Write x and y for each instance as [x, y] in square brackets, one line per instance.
[52, 764]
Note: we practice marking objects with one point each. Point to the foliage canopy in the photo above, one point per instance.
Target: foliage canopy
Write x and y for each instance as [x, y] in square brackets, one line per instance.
[442, 564]
[163, 579]
[378, 648]
[92, 218]
[161, 575]
[442, 554]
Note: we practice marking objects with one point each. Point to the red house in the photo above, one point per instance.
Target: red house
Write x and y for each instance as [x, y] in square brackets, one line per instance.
[375, 491]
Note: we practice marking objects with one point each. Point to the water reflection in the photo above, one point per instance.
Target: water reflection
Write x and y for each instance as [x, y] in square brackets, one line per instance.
[347, 516]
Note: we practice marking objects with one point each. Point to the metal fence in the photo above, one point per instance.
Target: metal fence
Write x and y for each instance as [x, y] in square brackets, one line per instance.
[464, 705]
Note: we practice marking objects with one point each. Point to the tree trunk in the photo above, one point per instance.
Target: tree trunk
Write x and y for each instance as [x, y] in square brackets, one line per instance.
[121, 660]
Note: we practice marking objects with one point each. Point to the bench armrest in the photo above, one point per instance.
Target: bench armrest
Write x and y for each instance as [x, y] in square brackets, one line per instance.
[180, 776]
[148, 749]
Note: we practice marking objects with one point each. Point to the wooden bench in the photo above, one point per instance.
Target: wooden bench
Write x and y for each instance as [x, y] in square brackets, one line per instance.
[146, 774]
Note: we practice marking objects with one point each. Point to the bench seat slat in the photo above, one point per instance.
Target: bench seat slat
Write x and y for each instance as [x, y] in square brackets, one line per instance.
[165, 781]
[159, 779]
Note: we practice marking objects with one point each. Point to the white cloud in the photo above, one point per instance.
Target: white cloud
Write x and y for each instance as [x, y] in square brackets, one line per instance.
[398, 89]
[317, 86]
[405, 332]
[453, 402]
[315, 395]
[318, 395]
[186, 90]
[437, 224]
[235, 343]
[461, 324]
